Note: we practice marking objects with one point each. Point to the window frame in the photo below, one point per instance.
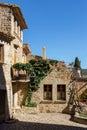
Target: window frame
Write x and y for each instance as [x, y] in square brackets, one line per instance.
[47, 90]
[61, 88]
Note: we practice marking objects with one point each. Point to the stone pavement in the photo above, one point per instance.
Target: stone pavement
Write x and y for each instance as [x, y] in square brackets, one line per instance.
[43, 121]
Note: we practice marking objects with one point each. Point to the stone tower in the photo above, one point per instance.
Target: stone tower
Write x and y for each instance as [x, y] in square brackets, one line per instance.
[44, 53]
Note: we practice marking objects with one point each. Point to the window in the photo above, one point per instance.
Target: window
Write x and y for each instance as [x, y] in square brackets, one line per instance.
[1, 53]
[47, 92]
[61, 92]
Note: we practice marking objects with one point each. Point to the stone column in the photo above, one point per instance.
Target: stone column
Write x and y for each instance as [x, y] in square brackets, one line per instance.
[44, 53]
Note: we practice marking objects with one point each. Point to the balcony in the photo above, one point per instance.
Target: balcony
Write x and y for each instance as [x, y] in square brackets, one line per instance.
[19, 76]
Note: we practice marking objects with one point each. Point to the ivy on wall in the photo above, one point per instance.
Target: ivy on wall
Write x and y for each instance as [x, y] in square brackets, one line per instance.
[37, 70]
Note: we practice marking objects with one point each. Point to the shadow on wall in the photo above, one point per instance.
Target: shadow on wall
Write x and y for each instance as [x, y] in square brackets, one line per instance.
[21, 89]
[4, 111]
[37, 126]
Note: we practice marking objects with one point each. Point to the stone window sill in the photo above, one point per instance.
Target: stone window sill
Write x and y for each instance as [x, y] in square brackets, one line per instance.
[60, 102]
[53, 102]
[46, 102]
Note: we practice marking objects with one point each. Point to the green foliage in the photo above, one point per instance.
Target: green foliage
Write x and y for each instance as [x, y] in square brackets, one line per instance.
[22, 66]
[37, 69]
[29, 68]
[31, 104]
[18, 66]
[83, 115]
[53, 62]
[29, 95]
[77, 63]
[40, 68]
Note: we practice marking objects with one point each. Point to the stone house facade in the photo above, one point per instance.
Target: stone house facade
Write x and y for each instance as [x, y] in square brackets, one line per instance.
[53, 93]
[52, 96]
[12, 50]
[56, 90]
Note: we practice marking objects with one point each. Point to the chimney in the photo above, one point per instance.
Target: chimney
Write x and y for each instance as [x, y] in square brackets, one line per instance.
[44, 53]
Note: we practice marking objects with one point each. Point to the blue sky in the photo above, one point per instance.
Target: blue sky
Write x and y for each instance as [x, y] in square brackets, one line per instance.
[59, 25]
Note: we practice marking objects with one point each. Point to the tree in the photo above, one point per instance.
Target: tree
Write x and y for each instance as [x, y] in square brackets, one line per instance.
[77, 63]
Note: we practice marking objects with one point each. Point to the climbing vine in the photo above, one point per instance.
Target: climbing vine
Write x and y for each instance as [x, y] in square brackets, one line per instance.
[37, 70]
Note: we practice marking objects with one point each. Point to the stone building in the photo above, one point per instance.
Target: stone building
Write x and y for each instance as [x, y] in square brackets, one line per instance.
[53, 94]
[59, 89]
[12, 50]
[57, 92]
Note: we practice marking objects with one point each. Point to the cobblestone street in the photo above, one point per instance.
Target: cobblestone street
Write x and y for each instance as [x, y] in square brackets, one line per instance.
[44, 121]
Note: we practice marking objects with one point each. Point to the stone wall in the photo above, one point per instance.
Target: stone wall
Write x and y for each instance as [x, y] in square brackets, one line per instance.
[59, 76]
[81, 86]
[5, 84]
[5, 19]
[7, 25]
[8, 51]
[20, 90]
[24, 112]
[52, 107]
